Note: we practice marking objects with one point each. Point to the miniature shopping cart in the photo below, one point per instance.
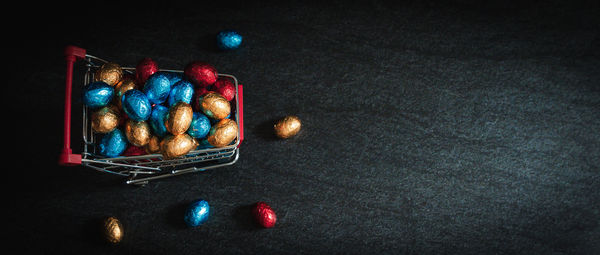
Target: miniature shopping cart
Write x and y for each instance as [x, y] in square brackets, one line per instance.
[144, 168]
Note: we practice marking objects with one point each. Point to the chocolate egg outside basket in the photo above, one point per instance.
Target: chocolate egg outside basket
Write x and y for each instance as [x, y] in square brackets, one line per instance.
[287, 127]
[222, 133]
[179, 118]
[174, 146]
[214, 105]
[112, 230]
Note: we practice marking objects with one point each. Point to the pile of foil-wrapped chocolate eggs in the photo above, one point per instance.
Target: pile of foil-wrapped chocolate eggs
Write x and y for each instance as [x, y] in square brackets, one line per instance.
[152, 111]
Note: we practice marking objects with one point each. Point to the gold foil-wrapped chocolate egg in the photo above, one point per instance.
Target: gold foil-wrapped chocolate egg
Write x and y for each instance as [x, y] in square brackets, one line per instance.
[287, 127]
[153, 145]
[137, 132]
[111, 73]
[113, 230]
[105, 119]
[214, 105]
[125, 84]
[173, 146]
[222, 133]
[179, 118]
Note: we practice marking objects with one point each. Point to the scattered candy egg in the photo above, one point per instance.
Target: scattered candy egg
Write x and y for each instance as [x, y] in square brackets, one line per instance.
[113, 144]
[222, 133]
[197, 213]
[200, 73]
[200, 126]
[105, 119]
[225, 87]
[287, 126]
[111, 73]
[137, 132]
[173, 146]
[229, 40]
[113, 231]
[144, 69]
[158, 119]
[214, 105]
[182, 91]
[97, 94]
[136, 105]
[179, 118]
[157, 88]
[264, 215]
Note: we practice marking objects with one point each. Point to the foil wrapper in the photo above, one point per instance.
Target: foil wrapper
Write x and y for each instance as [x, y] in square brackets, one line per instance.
[105, 119]
[113, 230]
[97, 94]
[158, 119]
[137, 132]
[200, 126]
[179, 118]
[113, 144]
[222, 133]
[229, 40]
[225, 87]
[144, 69]
[264, 215]
[157, 88]
[200, 73]
[136, 105]
[182, 91]
[173, 77]
[287, 127]
[153, 145]
[197, 213]
[174, 146]
[134, 151]
[111, 73]
[126, 84]
[214, 105]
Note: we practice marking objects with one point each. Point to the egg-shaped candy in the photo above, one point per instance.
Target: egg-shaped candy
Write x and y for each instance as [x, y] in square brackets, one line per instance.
[144, 69]
[197, 213]
[225, 87]
[287, 127]
[214, 105]
[158, 119]
[157, 88]
[126, 84]
[174, 146]
[264, 215]
[182, 91]
[133, 150]
[112, 144]
[105, 119]
[222, 133]
[200, 126]
[97, 94]
[179, 118]
[200, 73]
[136, 105]
[229, 40]
[137, 132]
[153, 145]
[198, 96]
[173, 76]
[111, 73]
[113, 231]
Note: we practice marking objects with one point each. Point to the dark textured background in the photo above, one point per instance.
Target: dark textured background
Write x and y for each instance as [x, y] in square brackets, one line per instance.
[446, 127]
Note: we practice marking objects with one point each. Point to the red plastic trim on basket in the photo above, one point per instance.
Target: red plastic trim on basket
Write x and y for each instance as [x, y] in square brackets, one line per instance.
[67, 157]
[241, 112]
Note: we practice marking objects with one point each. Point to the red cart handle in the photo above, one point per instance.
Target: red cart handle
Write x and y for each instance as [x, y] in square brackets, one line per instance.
[241, 112]
[67, 157]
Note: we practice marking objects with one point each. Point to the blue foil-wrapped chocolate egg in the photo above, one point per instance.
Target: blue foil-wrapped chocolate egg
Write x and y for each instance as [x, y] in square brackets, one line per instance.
[97, 94]
[113, 144]
[229, 40]
[200, 126]
[157, 120]
[136, 105]
[182, 91]
[197, 213]
[173, 77]
[157, 88]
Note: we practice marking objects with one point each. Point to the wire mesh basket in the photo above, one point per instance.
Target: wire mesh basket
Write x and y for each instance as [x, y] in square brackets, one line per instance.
[140, 169]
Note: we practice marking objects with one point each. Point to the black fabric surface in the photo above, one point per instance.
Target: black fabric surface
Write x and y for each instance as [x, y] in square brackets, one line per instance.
[428, 128]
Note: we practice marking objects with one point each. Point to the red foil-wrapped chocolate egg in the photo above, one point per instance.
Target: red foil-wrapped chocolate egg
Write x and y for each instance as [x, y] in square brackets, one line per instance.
[145, 68]
[225, 87]
[200, 73]
[264, 215]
